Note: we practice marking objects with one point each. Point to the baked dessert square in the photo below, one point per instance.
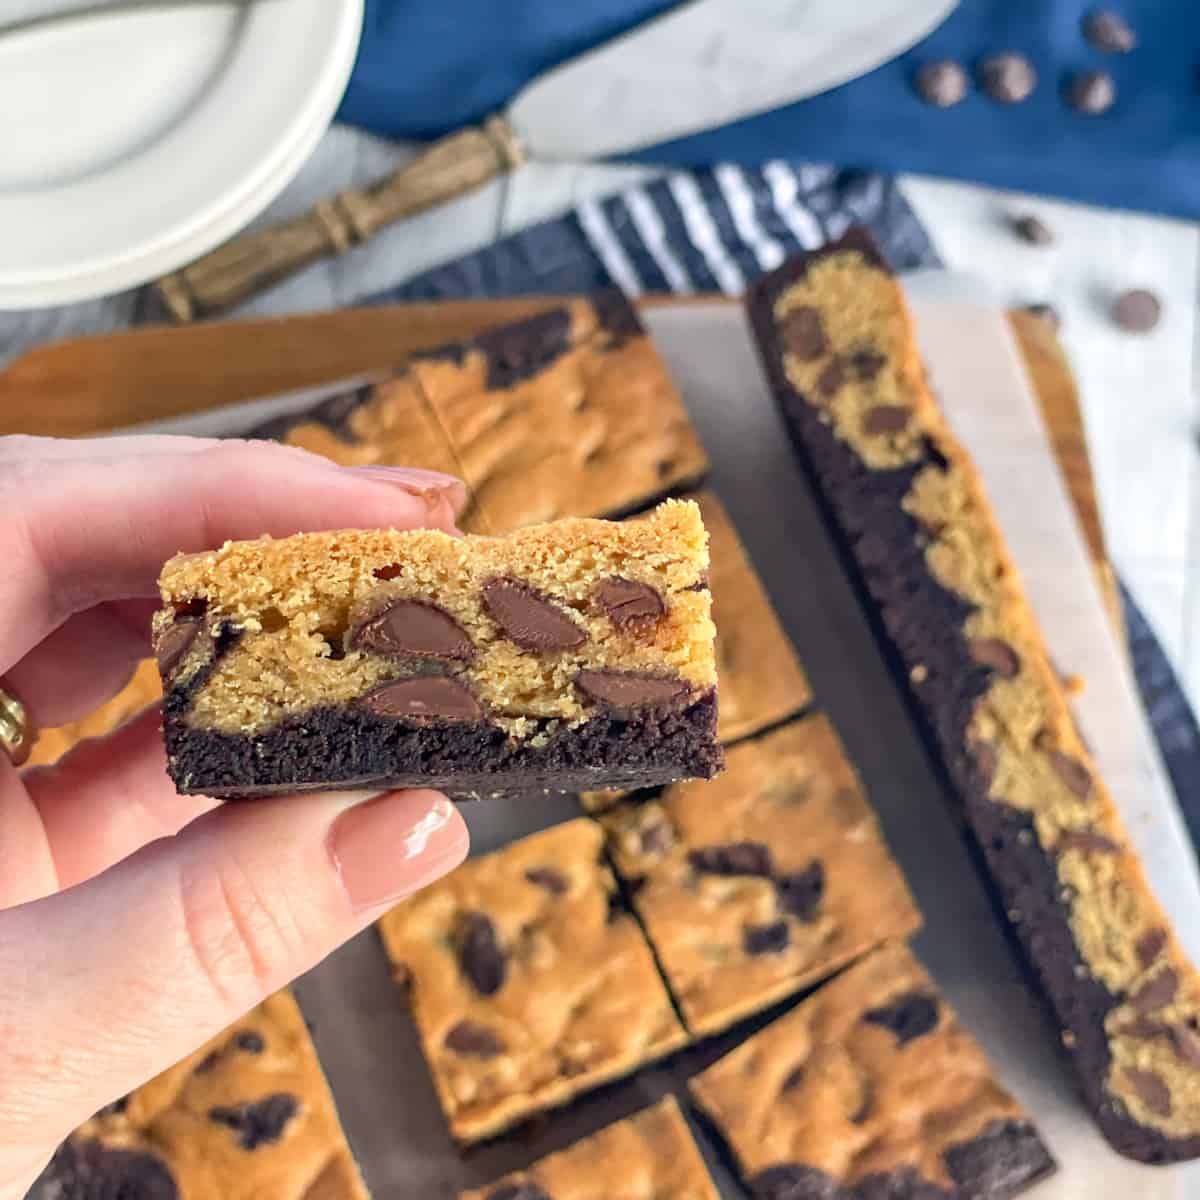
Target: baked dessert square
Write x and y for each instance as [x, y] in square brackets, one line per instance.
[902, 493]
[528, 981]
[651, 1153]
[247, 1116]
[871, 1087]
[563, 656]
[764, 881]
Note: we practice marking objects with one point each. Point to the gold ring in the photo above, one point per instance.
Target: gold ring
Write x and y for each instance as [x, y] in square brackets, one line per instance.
[17, 733]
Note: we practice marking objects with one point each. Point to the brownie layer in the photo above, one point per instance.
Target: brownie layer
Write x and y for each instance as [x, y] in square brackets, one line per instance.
[351, 746]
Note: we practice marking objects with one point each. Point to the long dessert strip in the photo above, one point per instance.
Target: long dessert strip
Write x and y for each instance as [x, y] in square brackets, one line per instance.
[528, 982]
[837, 342]
[247, 1116]
[570, 655]
[871, 1088]
[761, 882]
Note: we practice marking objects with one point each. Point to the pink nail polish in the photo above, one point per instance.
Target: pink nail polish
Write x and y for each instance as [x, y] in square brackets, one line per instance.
[391, 846]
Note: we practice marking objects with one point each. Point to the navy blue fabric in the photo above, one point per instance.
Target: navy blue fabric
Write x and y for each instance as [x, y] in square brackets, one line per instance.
[428, 66]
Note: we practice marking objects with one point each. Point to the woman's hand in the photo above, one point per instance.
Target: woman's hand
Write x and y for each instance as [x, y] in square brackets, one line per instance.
[136, 923]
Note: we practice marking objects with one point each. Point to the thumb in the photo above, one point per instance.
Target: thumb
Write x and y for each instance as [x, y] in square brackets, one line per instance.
[114, 980]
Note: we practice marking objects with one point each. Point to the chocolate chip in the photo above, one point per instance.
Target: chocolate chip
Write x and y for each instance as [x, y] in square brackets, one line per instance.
[479, 953]
[519, 1191]
[984, 756]
[85, 1169]
[413, 627]
[528, 618]
[766, 939]
[1151, 1089]
[174, 642]
[1150, 945]
[207, 1063]
[1007, 78]
[866, 364]
[803, 334]
[830, 380]
[547, 877]
[1143, 1028]
[800, 894]
[391, 571]
[1072, 772]
[423, 698]
[1108, 31]
[628, 602]
[942, 83]
[250, 1042]
[908, 1017]
[472, 1040]
[792, 1181]
[886, 418]
[1033, 230]
[656, 837]
[794, 1077]
[1047, 312]
[1187, 1043]
[258, 1122]
[995, 653]
[1087, 842]
[197, 606]
[622, 691]
[115, 1109]
[736, 858]
[1158, 993]
[1091, 92]
[1137, 311]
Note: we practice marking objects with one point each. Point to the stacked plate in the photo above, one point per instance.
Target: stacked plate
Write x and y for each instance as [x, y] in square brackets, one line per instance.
[136, 139]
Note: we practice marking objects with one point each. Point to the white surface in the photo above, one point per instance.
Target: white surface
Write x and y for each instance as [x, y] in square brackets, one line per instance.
[707, 64]
[137, 140]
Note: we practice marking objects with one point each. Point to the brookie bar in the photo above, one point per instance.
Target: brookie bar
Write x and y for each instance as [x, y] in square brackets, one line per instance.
[564, 656]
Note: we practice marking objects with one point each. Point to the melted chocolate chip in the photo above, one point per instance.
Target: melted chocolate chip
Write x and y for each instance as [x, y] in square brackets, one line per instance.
[627, 690]
[1033, 230]
[800, 894]
[1087, 842]
[472, 1040]
[479, 953]
[886, 418]
[1151, 1089]
[1091, 92]
[528, 618]
[657, 837]
[250, 1042]
[1150, 945]
[547, 877]
[1158, 993]
[942, 84]
[794, 1077]
[87, 1170]
[207, 1063]
[995, 653]
[115, 1109]
[830, 380]
[423, 698]
[793, 1181]
[1072, 772]
[628, 602]
[413, 627]
[803, 334]
[172, 645]
[1007, 78]
[259, 1122]
[984, 755]
[1187, 1043]
[526, 1190]
[736, 858]
[766, 939]
[908, 1017]
[1108, 31]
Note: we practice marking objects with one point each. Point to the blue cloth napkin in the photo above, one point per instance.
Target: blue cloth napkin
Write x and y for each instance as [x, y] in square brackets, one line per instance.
[427, 67]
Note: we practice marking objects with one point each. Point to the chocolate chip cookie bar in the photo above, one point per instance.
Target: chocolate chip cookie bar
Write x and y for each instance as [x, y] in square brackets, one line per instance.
[562, 656]
[764, 881]
[837, 342]
[650, 1154]
[567, 413]
[871, 1087]
[247, 1116]
[528, 981]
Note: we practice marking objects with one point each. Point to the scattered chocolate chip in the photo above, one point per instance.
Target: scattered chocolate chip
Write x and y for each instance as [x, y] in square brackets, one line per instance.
[1047, 312]
[625, 690]
[942, 83]
[555, 882]
[792, 1181]
[207, 1063]
[250, 1042]
[995, 653]
[472, 1040]
[1187, 1043]
[1150, 945]
[766, 939]
[259, 1122]
[1091, 92]
[866, 364]
[519, 1191]
[479, 953]
[1007, 78]
[628, 602]
[984, 755]
[908, 1017]
[657, 837]
[1151, 1089]
[1072, 772]
[886, 418]
[1087, 842]
[1033, 230]
[800, 894]
[1108, 31]
[174, 642]
[1158, 993]
[413, 627]
[528, 618]
[1137, 311]
[391, 571]
[736, 858]
[423, 698]
[85, 1169]
[802, 333]
[830, 380]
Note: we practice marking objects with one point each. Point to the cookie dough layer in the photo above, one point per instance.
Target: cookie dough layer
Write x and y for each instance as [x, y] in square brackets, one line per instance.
[871, 1087]
[837, 342]
[247, 1116]
[651, 1154]
[528, 983]
[565, 655]
[569, 413]
[764, 881]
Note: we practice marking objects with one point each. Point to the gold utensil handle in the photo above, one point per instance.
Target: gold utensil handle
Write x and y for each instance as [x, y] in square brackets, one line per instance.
[244, 266]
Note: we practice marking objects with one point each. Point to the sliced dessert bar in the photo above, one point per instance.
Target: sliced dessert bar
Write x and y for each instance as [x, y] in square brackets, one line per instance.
[563, 656]
[528, 982]
[764, 881]
[871, 1087]
[837, 342]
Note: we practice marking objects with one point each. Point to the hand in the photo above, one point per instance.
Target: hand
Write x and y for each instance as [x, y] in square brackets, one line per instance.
[136, 923]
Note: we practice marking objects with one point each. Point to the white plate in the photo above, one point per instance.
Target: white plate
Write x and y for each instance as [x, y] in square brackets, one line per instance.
[133, 142]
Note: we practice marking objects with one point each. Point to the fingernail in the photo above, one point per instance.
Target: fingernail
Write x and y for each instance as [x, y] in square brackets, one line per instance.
[389, 847]
[415, 480]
